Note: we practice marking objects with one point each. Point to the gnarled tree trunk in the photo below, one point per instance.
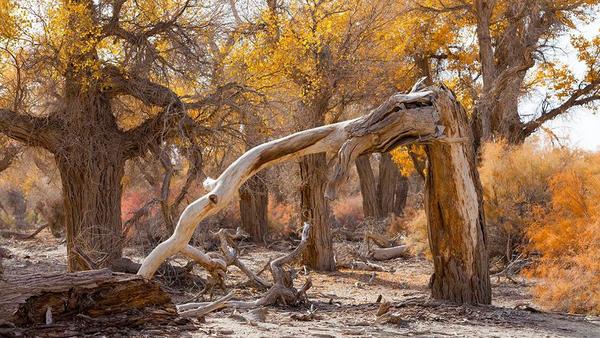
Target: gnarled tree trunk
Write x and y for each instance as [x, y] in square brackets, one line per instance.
[453, 202]
[92, 206]
[454, 207]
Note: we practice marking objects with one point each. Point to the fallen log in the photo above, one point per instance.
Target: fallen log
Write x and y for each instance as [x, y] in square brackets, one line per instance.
[383, 254]
[30, 299]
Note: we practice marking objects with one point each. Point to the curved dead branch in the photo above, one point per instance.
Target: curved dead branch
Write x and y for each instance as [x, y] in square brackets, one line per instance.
[402, 119]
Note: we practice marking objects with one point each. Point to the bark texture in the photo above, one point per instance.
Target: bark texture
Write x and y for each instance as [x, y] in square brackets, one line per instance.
[25, 300]
[92, 208]
[368, 187]
[253, 207]
[453, 202]
[315, 211]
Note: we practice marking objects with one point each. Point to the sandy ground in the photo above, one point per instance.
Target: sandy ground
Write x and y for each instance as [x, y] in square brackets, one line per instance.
[343, 303]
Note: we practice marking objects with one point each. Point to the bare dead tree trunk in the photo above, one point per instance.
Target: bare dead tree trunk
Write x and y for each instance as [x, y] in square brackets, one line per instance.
[453, 201]
[315, 211]
[368, 187]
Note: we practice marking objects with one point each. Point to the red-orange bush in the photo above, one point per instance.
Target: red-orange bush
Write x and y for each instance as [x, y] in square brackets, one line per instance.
[516, 183]
[568, 239]
[348, 211]
[546, 202]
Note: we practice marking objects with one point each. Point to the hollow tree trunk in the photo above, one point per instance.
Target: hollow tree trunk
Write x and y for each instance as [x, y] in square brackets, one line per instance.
[315, 211]
[253, 207]
[92, 206]
[368, 187]
[453, 201]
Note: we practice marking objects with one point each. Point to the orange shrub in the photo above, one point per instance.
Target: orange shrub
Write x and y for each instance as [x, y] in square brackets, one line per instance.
[348, 211]
[281, 216]
[568, 239]
[515, 183]
[545, 202]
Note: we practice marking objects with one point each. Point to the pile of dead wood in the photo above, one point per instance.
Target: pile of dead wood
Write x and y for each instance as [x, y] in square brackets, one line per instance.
[71, 304]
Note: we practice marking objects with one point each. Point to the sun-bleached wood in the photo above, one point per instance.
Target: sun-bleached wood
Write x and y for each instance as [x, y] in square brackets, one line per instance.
[401, 119]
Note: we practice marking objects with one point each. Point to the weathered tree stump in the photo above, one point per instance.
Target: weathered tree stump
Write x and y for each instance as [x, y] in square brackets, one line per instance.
[453, 203]
[32, 299]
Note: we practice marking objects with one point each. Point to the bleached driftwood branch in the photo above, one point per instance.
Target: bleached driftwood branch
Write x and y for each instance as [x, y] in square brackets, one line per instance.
[402, 119]
[282, 291]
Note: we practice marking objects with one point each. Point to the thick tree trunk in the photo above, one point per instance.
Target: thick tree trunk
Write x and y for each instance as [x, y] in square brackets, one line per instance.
[454, 209]
[253, 207]
[368, 187]
[92, 205]
[315, 211]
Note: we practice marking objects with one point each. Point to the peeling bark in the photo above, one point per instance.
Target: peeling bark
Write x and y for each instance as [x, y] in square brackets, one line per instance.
[453, 202]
